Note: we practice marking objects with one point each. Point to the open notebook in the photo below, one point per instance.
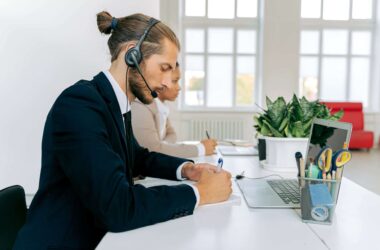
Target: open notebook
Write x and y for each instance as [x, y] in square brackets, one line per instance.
[238, 151]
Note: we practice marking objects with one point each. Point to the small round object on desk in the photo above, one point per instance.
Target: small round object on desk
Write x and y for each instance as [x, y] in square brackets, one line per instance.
[320, 213]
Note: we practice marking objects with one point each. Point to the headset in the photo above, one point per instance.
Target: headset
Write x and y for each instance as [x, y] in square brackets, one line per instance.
[133, 57]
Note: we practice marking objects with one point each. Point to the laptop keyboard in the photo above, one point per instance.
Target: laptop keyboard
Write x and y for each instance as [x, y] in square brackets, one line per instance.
[288, 190]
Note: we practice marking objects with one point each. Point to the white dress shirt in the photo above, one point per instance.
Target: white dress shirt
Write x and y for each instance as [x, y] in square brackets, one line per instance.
[125, 107]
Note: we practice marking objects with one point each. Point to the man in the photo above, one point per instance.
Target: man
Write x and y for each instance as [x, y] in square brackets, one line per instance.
[89, 155]
[153, 130]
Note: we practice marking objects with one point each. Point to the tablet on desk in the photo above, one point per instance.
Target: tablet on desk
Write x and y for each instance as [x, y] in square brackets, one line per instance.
[238, 151]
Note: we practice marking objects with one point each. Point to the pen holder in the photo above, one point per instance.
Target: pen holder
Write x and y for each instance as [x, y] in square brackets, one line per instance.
[318, 199]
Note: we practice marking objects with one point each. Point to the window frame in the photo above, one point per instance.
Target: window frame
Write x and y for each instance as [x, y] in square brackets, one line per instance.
[351, 25]
[205, 23]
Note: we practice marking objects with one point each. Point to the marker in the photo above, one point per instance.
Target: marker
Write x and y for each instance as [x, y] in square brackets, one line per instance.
[298, 156]
[300, 164]
[219, 166]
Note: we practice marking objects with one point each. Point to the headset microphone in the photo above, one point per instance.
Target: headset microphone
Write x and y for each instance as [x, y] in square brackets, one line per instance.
[152, 92]
[134, 56]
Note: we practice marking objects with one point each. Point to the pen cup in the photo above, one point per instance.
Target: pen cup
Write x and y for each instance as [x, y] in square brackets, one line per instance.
[318, 199]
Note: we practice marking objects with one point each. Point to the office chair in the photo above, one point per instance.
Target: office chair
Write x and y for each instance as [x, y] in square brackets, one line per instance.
[12, 215]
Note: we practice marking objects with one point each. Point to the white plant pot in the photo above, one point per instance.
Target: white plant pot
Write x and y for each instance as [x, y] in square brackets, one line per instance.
[280, 153]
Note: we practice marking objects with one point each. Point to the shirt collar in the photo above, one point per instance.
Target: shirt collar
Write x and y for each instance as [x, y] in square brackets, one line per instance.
[121, 97]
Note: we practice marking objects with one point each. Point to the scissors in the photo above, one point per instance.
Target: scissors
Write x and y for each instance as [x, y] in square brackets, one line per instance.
[332, 163]
[340, 158]
[324, 160]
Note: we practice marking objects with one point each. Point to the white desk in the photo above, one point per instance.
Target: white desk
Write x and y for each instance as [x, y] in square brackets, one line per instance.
[235, 226]
[356, 223]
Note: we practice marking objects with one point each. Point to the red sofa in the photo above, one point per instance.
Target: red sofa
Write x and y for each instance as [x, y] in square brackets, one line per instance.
[353, 113]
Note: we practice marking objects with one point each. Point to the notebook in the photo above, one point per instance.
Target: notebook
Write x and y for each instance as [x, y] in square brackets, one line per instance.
[281, 193]
[238, 151]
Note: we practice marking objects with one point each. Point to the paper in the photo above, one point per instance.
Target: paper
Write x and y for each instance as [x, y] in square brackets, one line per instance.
[232, 150]
[235, 199]
[150, 182]
[233, 142]
[320, 195]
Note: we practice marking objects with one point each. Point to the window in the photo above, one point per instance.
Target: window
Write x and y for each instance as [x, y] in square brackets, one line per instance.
[219, 54]
[335, 49]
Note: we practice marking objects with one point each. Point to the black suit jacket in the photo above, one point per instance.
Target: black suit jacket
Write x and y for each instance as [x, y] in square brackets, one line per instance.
[84, 190]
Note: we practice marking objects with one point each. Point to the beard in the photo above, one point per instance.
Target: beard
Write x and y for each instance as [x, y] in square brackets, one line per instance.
[138, 87]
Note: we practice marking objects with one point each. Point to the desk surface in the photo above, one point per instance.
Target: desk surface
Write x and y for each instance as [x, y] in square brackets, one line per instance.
[235, 226]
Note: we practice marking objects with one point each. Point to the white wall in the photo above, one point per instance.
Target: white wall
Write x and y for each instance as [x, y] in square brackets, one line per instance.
[280, 48]
[46, 46]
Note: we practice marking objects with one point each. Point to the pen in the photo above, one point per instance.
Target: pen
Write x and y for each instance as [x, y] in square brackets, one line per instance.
[220, 164]
[207, 134]
[302, 167]
[310, 168]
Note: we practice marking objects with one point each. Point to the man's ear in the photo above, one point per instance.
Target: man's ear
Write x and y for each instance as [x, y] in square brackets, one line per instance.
[125, 47]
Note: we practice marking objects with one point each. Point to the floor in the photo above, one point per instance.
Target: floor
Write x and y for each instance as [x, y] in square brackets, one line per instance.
[364, 169]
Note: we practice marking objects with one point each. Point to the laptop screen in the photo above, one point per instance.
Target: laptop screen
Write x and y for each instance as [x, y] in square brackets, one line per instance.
[325, 133]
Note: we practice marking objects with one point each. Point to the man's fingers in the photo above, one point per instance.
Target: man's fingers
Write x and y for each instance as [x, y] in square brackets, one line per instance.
[228, 174]
[212, 168]
[206, 172]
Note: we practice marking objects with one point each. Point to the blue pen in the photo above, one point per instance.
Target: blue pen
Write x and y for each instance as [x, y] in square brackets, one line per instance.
[220, 164]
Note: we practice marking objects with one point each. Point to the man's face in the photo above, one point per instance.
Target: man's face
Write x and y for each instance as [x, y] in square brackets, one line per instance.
[157, 70]
[170, 94]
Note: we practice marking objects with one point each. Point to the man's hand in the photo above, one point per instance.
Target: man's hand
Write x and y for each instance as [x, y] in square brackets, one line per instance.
[193, 171]
[209, 145]
[214, 187]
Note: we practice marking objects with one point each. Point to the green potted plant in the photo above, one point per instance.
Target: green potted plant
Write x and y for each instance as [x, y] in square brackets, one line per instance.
[285, 127]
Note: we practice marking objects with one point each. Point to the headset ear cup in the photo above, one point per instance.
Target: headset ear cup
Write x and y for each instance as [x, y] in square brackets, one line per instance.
[128, 57]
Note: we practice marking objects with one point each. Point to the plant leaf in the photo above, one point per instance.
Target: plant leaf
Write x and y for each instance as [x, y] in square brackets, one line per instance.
[297, 129]
[297, 110]
[274, 131]
[338, 115]
[284, 123]
[307, 109]
[287, 131]
[307, 127]
[265, 131]
[276, 112]
[269, 102]
[293, 119]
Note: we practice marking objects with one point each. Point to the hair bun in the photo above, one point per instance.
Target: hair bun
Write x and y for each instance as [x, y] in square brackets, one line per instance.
[105, 22]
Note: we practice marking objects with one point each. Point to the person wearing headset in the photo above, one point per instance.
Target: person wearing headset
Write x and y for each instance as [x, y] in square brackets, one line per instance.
[153, 130]
[90, 156]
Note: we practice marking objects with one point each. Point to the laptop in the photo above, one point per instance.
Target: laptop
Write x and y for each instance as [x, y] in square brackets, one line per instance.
[285, 193]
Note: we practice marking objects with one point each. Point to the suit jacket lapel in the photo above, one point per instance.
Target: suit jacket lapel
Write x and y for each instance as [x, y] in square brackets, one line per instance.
[105, 89]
